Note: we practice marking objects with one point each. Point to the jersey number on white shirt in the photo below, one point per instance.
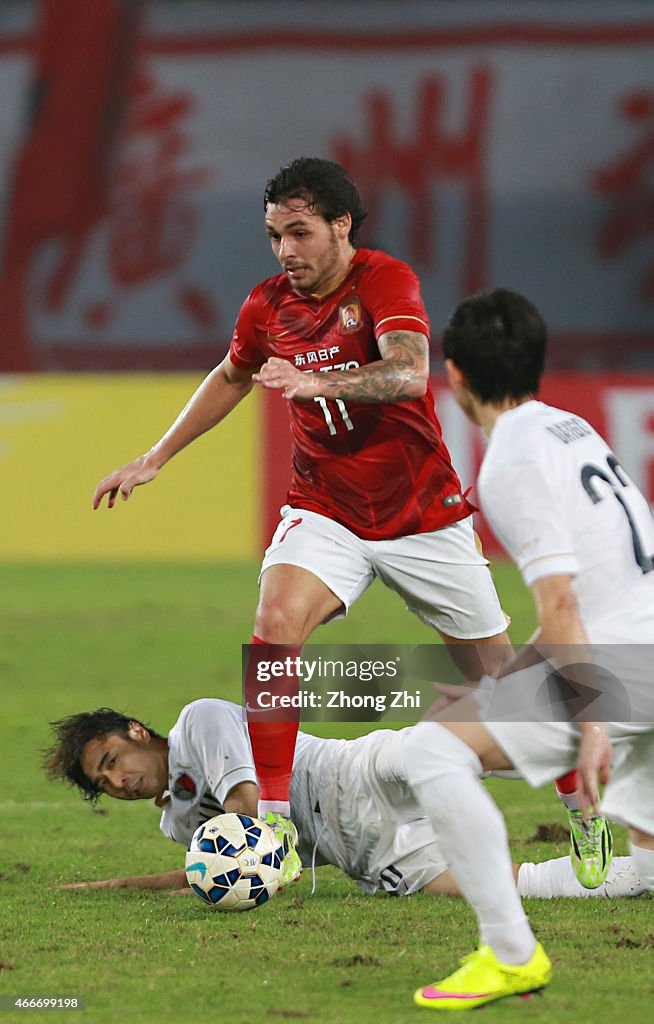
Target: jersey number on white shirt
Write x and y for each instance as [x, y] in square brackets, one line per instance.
[618, 481]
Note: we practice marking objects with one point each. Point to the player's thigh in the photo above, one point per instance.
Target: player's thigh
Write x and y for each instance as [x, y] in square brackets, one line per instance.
[425, 752]
[444, 580]
[382, 825]
[327, 550]
[541, 751]
[292, 602]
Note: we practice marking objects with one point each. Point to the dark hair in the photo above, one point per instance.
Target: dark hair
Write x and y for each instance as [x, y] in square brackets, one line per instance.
[498, 340]
[62, 760]
[325, 185]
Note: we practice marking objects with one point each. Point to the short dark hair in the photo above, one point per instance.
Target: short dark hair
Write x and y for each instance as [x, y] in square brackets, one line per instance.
[62, 759]
[325, 185]
[498, 339]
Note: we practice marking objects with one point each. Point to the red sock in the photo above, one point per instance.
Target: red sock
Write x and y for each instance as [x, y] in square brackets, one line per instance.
[567, 783]
[566, 787]
[272, 740]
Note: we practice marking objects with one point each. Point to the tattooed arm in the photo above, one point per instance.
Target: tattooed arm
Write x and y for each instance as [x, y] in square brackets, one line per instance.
[401, 374]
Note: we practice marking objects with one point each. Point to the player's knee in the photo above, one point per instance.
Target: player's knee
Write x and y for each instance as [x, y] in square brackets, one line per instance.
[280, 622]
[431, 750]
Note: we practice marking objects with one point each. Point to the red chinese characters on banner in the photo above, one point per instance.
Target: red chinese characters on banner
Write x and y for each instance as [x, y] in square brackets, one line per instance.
[82, 61]
[629, 184]
[102, 168]
[414, 158]
[153, 222]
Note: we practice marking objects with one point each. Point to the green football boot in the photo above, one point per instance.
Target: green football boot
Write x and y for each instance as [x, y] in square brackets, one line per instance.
[591, 848]
[286, 833]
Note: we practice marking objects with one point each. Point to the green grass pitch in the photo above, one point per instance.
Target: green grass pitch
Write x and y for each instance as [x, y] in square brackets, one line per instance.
[146, 640]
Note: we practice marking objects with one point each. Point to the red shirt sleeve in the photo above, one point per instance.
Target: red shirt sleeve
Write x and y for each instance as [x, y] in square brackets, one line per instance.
[244, 350]
[392, 297]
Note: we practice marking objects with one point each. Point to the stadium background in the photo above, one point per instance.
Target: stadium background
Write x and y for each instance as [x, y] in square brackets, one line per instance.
[494, 143]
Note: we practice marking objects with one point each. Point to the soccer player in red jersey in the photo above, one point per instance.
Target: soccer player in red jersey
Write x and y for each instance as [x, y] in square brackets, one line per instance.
[343, 333]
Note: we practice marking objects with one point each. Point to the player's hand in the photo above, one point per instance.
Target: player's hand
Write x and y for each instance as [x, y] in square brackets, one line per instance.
[280, 375]
[593, 764]
[122, 481]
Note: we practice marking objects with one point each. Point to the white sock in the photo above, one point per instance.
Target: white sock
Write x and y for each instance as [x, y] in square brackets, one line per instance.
[571, 800]
[274, 807]
[644, 861]
[443, 773]
[553, 878]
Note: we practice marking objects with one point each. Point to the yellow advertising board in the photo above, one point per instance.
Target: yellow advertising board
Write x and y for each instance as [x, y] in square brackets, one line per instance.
[60, 434]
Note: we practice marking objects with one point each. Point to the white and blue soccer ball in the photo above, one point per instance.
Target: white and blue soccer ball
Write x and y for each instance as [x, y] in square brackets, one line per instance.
[234, 862]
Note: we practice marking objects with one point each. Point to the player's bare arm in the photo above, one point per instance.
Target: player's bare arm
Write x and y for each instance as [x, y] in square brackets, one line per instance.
[400, 375]
[242, 798]
[164, 880]
[219, 393]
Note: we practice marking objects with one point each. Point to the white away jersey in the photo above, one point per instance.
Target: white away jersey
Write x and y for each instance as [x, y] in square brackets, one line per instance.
[208, 754]
[348, 797]
[560, 502]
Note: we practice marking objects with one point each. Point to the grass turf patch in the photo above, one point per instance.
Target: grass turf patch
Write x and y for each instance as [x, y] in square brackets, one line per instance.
[146, 640]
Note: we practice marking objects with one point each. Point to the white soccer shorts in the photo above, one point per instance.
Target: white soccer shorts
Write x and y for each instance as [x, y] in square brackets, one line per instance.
[543, 751]
[441, 576]
[354, 805]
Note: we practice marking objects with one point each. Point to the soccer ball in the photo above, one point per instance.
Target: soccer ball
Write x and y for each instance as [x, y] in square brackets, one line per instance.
[234, 862]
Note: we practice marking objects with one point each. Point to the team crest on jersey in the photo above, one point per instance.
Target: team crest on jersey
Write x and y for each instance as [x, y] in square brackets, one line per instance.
[184, 787]
[349, 315]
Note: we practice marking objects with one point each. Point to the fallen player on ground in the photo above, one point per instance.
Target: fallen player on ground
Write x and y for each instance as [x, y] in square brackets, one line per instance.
[352, 808]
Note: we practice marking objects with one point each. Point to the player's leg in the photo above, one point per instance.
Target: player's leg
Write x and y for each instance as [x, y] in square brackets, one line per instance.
[551, 879]
[443, 762]
[292, 602]
[629, 795]
[328, 567]
[486, 655]
[591, 842]
[642, 851]
[445, 580]
[311, 572]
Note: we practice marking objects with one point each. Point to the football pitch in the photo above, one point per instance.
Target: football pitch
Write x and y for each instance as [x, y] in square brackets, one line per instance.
[145, 640]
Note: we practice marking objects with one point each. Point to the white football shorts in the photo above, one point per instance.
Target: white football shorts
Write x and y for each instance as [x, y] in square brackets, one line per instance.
[441, 576]
[542, 751]
[356, 811]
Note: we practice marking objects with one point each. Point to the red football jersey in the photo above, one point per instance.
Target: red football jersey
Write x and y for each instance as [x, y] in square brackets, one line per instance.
[382, 470]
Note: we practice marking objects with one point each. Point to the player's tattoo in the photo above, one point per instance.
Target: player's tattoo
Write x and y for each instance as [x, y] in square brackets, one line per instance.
[397, 377]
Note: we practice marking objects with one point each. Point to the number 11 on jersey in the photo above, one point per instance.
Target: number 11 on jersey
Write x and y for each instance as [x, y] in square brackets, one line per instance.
[342, 408]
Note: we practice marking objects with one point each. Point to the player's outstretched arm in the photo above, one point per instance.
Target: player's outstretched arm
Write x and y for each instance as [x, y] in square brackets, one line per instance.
[400, 375]
[164, 880]
[219, 393]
